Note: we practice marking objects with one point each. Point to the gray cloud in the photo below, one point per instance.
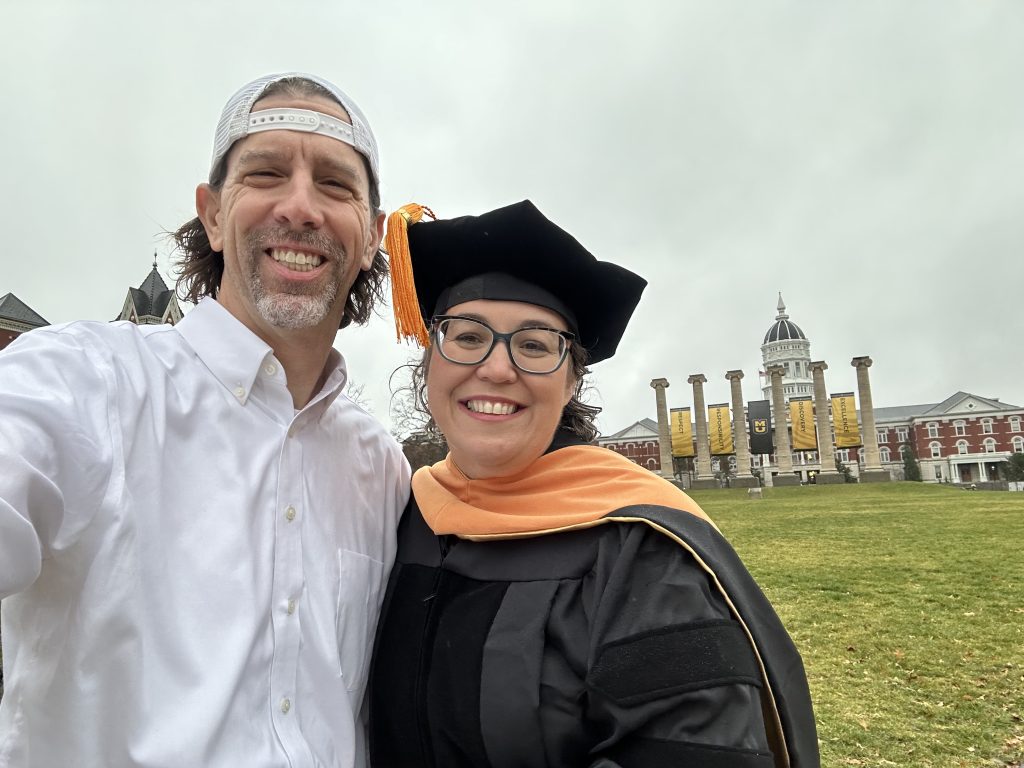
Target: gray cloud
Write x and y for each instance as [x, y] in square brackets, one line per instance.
[862, 157]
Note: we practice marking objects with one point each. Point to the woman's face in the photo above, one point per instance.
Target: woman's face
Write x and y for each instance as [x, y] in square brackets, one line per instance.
[524, 408]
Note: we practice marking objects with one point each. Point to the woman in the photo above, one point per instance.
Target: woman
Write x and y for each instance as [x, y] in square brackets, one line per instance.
[553, 604]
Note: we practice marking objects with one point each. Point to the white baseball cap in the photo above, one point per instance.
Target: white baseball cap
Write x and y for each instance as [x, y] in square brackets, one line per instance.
[238, 120]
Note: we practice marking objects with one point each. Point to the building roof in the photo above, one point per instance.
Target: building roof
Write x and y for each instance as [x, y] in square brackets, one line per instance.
[13, 308]
[900, 412]
[958, 403]
[783, 329]
[638, 429]
[151, 298]
[963, 402]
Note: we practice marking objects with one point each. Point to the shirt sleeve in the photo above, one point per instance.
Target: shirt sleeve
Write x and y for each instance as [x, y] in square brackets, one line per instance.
[672, 678]
[55, 449]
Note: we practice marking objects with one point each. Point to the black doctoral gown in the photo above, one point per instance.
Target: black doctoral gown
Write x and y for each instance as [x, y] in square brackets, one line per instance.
[638, 641]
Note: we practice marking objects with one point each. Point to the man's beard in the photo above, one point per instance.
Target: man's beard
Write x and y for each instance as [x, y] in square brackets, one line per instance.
[294, 306]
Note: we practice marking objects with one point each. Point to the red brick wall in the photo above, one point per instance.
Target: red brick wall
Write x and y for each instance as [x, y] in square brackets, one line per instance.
[6, 337]
[646, 453]
[948, 438]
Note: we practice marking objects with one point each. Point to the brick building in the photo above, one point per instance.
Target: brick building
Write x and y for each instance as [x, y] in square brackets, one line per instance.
[152, 303]
[16, 317]
[963, 439]
[638, 442]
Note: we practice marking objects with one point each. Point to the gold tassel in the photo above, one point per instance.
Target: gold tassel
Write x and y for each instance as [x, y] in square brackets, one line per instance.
[408, 320]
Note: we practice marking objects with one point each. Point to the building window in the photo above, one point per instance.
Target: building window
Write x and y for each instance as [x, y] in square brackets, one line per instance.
[1015, 423]
[959, 428]
[961, 446]
[986, 426]
[882, 435]
[936, 450]
[938, 473]
[901, 434]
[933, 429]
[990, 445]
[1018, 444]
[843, 455]
[883, 454]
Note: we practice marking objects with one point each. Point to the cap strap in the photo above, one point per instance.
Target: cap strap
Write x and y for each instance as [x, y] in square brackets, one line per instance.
[406, 305]
[289, 119]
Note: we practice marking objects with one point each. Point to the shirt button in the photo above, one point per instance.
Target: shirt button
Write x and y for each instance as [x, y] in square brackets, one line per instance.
[239, 392]
[290, 514]
[270, 369]
[291, 607]
[286, 705]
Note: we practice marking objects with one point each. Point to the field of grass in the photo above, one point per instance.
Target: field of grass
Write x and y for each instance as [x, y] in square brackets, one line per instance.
[907, 604]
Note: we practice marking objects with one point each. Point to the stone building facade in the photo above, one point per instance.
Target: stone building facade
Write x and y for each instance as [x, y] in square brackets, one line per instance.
[961, 440]
[786, 345]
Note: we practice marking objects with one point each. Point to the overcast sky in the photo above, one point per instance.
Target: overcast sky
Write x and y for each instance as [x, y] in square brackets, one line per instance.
[865, 158]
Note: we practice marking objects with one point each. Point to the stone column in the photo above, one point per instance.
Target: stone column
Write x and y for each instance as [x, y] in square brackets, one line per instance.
[826, 453]
[783, 452]
[744, 478]
[872, 472]
[705, 477]
[664, 431]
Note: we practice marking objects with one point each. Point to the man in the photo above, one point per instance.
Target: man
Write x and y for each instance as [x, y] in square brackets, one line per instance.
[195, 522]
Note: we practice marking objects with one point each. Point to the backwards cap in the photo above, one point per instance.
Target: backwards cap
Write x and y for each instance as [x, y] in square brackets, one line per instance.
[510, 254]
[238, 120]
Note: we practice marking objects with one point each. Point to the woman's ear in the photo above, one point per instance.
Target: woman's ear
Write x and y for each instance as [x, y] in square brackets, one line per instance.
[570, 387]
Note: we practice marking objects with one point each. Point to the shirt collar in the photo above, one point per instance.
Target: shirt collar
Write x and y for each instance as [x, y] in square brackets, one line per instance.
[234, 354]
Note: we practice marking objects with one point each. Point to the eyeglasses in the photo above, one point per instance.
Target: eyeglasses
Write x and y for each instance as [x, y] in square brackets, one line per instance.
[465, 341]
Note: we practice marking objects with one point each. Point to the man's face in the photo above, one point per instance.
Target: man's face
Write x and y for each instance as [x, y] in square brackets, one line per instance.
[293, 221]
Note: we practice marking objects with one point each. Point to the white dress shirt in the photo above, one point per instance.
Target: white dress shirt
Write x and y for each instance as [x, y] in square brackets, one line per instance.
[191, 569]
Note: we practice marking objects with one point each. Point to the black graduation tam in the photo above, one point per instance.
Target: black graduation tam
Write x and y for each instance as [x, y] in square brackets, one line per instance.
[516, 254]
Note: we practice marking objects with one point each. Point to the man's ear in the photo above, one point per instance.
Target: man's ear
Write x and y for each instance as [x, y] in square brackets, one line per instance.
[373, 245]
[208, 209]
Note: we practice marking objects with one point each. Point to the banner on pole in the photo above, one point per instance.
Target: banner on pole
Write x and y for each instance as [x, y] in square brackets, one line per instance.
[759, 416]
[801, 417]
[844, 420]
[720, 430]
[682, 432]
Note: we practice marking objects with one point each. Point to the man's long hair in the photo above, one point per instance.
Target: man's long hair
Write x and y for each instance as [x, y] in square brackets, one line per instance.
[201, 268]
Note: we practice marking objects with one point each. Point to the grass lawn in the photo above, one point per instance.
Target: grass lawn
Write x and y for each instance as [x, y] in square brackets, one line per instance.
[907, 604]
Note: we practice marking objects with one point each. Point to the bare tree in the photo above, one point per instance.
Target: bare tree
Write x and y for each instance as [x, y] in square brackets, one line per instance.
[411, 424]
[356, 392]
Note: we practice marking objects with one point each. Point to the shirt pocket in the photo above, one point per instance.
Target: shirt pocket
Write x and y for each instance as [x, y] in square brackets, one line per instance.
[359, 586]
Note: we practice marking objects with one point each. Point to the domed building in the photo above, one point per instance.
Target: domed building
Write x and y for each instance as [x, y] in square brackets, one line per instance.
[785, 344]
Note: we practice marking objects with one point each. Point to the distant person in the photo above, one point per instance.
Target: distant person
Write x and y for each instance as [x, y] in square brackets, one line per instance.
[195, 522]
[553, 604]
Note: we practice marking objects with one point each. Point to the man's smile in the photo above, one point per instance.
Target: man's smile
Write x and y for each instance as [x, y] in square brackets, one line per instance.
[298, 261]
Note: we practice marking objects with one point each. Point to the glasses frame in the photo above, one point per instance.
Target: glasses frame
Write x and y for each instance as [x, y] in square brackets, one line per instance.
[435, 325]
